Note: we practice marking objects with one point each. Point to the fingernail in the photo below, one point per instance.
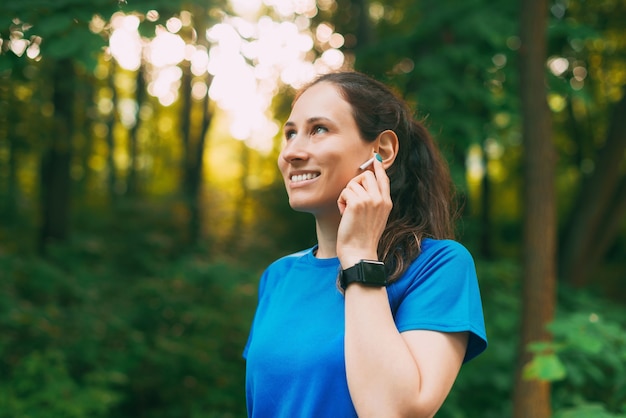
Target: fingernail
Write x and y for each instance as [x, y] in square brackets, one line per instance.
[378, 157]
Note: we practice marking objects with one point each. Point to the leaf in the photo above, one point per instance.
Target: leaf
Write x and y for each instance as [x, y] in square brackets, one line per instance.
[547, 367]
[53, 25]
[586, 411]
[541, 346]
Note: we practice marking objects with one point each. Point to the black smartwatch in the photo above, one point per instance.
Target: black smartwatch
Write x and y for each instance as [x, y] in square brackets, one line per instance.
[366, 272]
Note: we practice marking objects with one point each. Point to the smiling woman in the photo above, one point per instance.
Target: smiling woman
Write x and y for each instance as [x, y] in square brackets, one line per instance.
[322, 145]
[378, 317]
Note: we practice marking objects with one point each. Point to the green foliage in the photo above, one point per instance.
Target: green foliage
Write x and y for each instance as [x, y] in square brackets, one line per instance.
[587, 411]
[122, 322]
[63, 25]
[586, 362]
[40, 386]
[440, 56]
[544, 366]
[126, 321]
[121, 325]
[590, 341]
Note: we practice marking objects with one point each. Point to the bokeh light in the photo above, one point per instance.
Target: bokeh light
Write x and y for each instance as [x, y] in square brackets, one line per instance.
[250, 56]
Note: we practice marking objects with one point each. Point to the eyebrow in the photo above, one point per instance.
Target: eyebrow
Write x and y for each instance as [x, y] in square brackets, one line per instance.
[309, 121]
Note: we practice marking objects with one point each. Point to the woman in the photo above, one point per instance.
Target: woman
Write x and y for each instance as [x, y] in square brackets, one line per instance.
[337, 333]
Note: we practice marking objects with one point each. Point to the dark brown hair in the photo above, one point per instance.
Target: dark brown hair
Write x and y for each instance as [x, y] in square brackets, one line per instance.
[422, 190]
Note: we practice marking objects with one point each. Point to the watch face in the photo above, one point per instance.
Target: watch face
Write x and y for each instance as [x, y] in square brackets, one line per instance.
[367, 272]
[373, 273]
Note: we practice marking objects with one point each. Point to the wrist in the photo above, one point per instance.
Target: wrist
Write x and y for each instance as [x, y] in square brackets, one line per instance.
[369, 273]
[349, 260]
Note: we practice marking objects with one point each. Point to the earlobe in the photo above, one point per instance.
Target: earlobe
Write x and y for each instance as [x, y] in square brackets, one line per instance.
[388, 145]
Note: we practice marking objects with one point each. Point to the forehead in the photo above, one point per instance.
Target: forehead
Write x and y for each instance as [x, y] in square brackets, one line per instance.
[321, 100]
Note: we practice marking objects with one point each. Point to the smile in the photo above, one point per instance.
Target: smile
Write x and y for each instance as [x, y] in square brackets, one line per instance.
[302, 177]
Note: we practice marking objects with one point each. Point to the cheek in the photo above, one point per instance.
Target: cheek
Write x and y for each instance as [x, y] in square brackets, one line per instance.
[282, 165]
[341, 176]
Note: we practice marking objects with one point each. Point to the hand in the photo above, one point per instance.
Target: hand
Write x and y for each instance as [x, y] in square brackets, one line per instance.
[364, 204]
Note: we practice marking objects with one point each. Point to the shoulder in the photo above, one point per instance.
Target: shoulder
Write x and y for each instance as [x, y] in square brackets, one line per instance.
[444, 252]
[440, 292]
[444, 247]
[282, 266]
[288, 260]
[444, 264]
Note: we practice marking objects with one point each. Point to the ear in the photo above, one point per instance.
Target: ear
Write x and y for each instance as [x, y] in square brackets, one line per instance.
[388, 146]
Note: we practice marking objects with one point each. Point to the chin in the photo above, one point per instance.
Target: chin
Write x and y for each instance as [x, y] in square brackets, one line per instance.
[300, 207]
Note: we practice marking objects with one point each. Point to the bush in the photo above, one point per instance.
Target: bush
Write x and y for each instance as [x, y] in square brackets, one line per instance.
[586, 362]
[590, 345]
[125, 322]
[85, 337]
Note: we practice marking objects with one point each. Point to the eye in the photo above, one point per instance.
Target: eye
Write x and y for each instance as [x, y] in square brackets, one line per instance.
[289, 134]
[319, 129]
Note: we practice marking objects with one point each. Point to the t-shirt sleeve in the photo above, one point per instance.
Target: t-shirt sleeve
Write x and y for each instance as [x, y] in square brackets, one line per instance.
[441, 293]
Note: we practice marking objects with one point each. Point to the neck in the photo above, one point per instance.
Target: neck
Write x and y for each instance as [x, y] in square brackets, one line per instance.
[326, 228]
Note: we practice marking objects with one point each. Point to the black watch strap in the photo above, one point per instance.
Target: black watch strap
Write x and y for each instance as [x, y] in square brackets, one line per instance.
[366, 272]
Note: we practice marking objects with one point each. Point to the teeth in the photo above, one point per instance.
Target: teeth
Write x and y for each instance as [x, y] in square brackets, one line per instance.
[302, 177]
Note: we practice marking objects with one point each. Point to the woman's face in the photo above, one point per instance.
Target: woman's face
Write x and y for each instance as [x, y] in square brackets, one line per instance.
[322, 150]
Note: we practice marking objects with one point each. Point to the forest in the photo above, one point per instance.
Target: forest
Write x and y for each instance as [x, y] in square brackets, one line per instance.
[140, 199]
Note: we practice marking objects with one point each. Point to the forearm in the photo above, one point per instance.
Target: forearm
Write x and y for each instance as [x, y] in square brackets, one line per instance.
[383, 376]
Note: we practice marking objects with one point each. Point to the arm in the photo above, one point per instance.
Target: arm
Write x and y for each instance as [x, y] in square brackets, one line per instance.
[389, 374]
[392, 374]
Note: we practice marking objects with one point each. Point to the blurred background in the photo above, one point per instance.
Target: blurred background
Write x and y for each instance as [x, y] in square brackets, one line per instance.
[140, 199]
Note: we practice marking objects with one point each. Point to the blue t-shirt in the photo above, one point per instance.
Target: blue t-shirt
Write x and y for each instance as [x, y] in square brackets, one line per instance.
[295, 364]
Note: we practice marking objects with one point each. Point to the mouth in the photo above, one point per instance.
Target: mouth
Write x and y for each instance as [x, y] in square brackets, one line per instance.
[297, 178]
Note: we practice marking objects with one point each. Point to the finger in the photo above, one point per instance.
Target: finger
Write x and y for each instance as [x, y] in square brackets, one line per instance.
[357, 189]
[349, 195]
[364, 188]
[366, 179]
[381, 178]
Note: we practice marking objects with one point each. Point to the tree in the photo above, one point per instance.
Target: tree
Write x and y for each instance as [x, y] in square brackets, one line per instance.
[62, 29]
[599, 208]
[194, 136]
[55, 162]
[532, 396]
[597, 134]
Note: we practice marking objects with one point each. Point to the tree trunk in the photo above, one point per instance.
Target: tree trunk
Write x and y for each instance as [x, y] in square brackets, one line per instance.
[83, 140]
[133, 135]
[188, 186]
[207, 118]
[10, 211]
[596, 203]
[364, 32]
[194, 140]
[56, 159]
[607, 232]
[532, 397]
[486, 225]
[112, 179]
[8, 141]
[239, 216]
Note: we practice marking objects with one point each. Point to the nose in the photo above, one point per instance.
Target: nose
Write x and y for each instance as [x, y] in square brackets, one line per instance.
[295, 149]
